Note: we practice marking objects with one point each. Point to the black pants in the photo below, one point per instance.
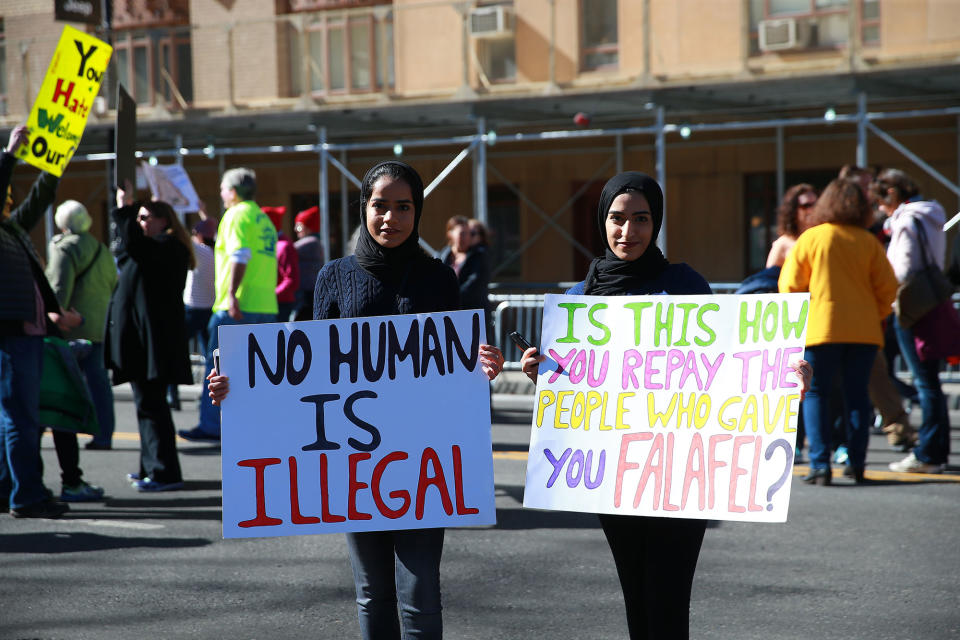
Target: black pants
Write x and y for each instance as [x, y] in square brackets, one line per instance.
[68, 454]
[656, 559]
[158, 439]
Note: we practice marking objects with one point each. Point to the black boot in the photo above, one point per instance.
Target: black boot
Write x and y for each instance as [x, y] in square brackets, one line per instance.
[819, 477]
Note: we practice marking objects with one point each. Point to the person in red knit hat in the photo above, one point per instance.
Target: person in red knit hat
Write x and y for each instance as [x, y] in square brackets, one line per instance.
[310, 250]
[288, 266]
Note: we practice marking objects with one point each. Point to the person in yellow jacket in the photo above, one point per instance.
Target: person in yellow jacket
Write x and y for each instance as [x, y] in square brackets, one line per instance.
[852, 286]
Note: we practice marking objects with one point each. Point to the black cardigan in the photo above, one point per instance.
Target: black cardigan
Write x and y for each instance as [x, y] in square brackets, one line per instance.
[345, 290]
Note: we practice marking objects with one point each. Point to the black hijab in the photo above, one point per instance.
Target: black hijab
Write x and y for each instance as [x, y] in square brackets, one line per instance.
[390, 265]
[609, 275]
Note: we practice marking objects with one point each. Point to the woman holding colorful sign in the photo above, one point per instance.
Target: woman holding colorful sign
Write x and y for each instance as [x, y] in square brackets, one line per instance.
[388, 275]
[655, 557]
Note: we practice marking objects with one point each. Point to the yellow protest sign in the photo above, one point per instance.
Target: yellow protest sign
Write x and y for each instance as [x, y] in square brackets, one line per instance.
[60, 111]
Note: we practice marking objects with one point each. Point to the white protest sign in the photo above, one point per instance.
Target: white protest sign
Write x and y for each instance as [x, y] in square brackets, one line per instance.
[675, 406]
[366, 424]
[171, 184]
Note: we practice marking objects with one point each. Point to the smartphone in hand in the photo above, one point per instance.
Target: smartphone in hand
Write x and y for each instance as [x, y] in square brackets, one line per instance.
[522, 343]
[216, 361]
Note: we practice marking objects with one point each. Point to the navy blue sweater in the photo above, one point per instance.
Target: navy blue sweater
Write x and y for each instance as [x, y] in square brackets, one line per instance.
[677, 279]
[345, 290]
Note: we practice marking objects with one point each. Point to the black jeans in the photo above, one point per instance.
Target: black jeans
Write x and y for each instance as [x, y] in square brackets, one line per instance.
[158, 438]
[656, 559]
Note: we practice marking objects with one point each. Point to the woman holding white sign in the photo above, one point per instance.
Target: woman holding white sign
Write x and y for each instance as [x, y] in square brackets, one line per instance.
[655, 557]
[390, 274]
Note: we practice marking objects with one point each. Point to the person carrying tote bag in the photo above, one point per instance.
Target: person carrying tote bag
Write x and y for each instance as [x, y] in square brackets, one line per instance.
[917, 242]
[922, 290]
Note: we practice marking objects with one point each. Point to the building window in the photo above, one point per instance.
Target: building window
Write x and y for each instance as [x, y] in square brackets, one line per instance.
[343, 53]
[498, 59]
[870, 22]
[785, 25]
[155, 65]
[599, 38]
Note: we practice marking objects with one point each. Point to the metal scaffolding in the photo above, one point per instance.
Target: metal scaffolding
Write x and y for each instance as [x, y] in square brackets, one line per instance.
[475, 145]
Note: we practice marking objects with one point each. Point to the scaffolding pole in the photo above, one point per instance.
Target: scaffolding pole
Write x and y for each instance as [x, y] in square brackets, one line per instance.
[324, 195]
[480, 173]
[862, 130]
[661, 168]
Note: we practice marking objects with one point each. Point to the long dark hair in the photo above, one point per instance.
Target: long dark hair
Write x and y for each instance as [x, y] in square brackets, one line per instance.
[162, 210]
[788, 223]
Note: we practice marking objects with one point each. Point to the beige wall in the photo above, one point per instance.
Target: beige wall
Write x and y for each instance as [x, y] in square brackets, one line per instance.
[255, 60]
[688, 37]
[28, 23]
[428, 45]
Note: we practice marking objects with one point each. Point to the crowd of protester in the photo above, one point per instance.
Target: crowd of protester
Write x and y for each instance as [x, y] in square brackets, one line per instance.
[130, 312]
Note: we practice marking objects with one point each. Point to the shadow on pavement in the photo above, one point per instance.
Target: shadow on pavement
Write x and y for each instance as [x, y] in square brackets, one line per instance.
[511, 417]
[520, 518]
[202, 450]
[517, 446]
[70, 542]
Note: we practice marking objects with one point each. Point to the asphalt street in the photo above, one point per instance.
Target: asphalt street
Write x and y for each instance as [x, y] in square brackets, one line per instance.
[877, 561]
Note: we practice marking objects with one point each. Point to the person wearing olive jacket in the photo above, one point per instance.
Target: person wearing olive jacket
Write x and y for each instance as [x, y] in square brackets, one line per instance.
[83, 275]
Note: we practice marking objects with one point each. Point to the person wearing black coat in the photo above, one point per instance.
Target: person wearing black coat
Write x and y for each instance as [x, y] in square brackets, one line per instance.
[146, 341]
[25, 300]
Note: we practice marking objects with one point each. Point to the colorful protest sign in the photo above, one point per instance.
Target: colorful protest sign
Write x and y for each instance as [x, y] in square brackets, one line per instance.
[59, 114]
[675, 406]
[367, 424]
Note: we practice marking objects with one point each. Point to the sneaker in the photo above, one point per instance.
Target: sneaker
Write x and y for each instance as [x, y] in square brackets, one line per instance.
[93, 445]
[841, 456]
[42, 509]
[198, 435]
[83, 492]
[148, 485]
[133, 477]
[910, 464]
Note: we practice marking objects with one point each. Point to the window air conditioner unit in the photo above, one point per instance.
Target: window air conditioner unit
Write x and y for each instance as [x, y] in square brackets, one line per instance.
[491, 22]
[784, 34]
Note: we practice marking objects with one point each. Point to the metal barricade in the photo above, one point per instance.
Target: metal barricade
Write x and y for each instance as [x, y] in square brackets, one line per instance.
[523, 312]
